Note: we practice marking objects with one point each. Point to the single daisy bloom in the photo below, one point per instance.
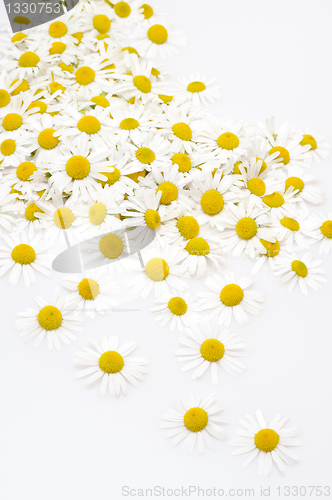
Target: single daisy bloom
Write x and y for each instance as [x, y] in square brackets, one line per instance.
[128, 12]
[177, 309]
[111, 364]
[207, 347]
[319, 149]
[17, 117]
[231, 297]
[194, 421]
[26, 64]
[139, 84]
[271, 250]
[257, 178]
[26, 179]
[150, 150]
[319, 227]
[14, 150]
[8, 88]
[281, 203]
[199, 89]
[23, 257]
[288, 144]
[156, 40]
[46, 141]
[267, 442]
[131, 121]
[50, 320]
[301, 182]
[291, 232]
[91, 293]
[305, 272]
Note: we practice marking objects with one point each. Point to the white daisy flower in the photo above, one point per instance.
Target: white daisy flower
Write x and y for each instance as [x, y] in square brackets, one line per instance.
[50, 320]
[149, 151]
[257, 178]
[111, 364]
[91, 293]
[26, 179]
[17, 117]
[318, 227]
[96, 18]
[130, 122]
[291, 232]
[26, 219]
[23, 257]
[26, 64]
[199, 89]
[300, 181]
[319, 149]
[14, 150]
[156, 40]
[231, 297]
[139, 84]
[182, 227]
[128, 12]
[152, 9]
[305, 272]
[177, 309]
[267, 442]
[271, 250]
[8, 88]
[46, 140]
[207, 347]
[281, 203]
[194, 421]
[288, 144]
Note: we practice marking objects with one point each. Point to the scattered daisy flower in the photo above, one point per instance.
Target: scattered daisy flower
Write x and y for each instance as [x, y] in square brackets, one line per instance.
[179, 310]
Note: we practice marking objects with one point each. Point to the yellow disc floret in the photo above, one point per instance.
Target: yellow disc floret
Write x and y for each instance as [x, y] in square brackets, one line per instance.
[326, 229]
[129, 124]
[195, 419]
[122, 9]
[142, 83]
[212, 202]
[182, 131]
[272, 249]
[57, 48]
[25, 170]
[188, 227]
[157, 34]
[183, 161]
[12, 121]
[296, 183]
[300, 268]
[88, 289]
[266, 440]
[30, 211]
[274, 200]
[57, 29]
[283, 154]
[46, 139]
[147, 10]
[195, 87]
[78, 167]
[112, 177]
[246, 228]
[169, 192]
[228, 141]
[290, 223]
[100, 100]
[63, 217]
[145, 155]
[89, 124]
[42, 107]
[101, 23]
[4, 98]
[157, 269]
[23, 87]
[18, 37]
[55, 86]
[28, 60]
[198, 246]
[177, 306]
[111, 362]
[231, 295]
[8, 147]
[50, 318]
[309, 140]
[97, 213]
[23, 254]
[85, 75]
[212, 350]
[256, 186]
[152, 219]
[111, 246]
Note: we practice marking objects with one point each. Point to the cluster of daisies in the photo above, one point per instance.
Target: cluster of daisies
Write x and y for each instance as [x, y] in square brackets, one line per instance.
[96, 151]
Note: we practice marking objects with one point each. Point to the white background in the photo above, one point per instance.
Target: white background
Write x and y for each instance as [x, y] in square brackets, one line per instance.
[60, 440]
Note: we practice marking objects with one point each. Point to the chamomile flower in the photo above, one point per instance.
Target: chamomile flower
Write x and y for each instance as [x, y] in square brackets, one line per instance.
[17, 117]
[230, 297]
[26, 179]
[152, 9]
[26, 64]
[111, 364]
[148, 151]
[130, 122]
[281, 203]
[160, 272]
[257, 178]
[301, 182]
[50, 320]
[198, 88]
[319, 227]
[291, 232]
[138, 85]
[46, 141]
[319, 149]
[271, 250]
[27, 219]
[207, 347]
[22, 257]
[288, 144]
[96, 18]
[14, 150]
[91, 293]
[157, 40]
[129, 12]
[8, 88]
[182, 227]
[305, 272]
[194, 421]
[177, 309]
[268, 442]
[56, 216]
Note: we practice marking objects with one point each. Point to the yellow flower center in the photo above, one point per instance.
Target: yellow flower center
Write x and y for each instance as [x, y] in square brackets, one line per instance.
[112, 177]
[157, 269]
[263, 167]
[100, 100]
[283, 154]
[256, 186]
[188, 227]
[66, 67]
[23, 254]
[12, 121]
[23, 87]
[183, 161]
[122, 9]
[142, 83]
[266, 440]
[101, 23]
[4, 98]
[195, 419]
[274, 200]
[198, 246]
[231, 295]
[28, 60]
[326, 229]
[38, 104]
[57, 48]
[25, 170]
[78, 37]
[272, 249]
[30, 212]
[236, 169]
[299, 268]
[88, 289]
[111, 362]
[57, 29]
[50, 318]
[85, 75]
[145, 155]
[212, 350]
[195, 87]
[182, 131]
[46, 139]
[54, 86]
[165, 98]
[8, 147]
[18, 37]
[228, 141]
[63, 217]
[89, 124]
[157, 34]
[295, 182]
[147, 10]
[246, 228]
[111, 246]
[97, 213]
[152, 219]
[78, 167]
[129, 124]
[135, 175]
[290, 223]
[212, 202]
[309, 139]
[169, 192]
[177, 306]
[131, 50]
